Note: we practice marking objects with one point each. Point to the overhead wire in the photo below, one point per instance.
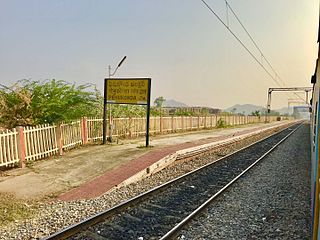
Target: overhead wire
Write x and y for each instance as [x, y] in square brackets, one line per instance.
[260, 63]
[253, 41]
[239, 40]
[258, 48]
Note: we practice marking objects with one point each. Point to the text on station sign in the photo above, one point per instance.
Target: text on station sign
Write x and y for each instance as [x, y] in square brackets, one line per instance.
[131, 91]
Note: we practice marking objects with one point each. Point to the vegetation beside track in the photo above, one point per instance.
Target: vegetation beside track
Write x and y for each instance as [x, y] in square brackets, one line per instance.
[13, 209]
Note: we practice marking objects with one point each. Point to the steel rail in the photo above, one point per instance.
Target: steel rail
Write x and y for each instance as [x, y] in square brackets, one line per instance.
[86, 223]
[175, 231]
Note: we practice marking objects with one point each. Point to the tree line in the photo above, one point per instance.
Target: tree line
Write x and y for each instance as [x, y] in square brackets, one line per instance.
[29, 102]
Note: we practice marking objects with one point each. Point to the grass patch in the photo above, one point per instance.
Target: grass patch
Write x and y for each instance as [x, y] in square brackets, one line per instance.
[13, 209]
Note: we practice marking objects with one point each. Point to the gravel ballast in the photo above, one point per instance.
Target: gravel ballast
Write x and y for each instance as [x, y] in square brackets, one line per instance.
[272, 201]
[53, 216]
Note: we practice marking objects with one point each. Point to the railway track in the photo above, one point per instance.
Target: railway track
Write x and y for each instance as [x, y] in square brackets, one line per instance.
[161, 212]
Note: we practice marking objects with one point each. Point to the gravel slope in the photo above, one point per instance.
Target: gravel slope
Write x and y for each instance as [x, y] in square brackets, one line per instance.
[272, 201]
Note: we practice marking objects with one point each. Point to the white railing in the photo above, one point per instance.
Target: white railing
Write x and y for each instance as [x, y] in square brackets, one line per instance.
[40, 142]
[8, 148]
[94, 128]
[71, 134]
[25, 144]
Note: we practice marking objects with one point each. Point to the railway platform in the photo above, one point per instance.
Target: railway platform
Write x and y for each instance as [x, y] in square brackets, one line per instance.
[89, 172]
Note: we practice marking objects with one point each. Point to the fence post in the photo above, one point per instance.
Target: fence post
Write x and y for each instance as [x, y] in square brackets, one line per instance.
[172, 128]
[21, 147]
[161, 125]
[182, 123]
[130, 127]
[59, 139]
[198, 123]
[84, 128]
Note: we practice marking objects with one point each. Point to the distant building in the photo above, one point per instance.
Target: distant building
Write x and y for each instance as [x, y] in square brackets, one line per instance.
[301, 112]
[195, 110]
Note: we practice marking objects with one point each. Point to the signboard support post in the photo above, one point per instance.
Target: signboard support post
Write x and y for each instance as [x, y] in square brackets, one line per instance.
[134, 91]
[148, 113]
[104, 126]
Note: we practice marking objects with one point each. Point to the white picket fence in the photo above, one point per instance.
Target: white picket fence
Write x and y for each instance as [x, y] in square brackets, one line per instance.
[8, 148]
[94, 128]
[40, 142]
[24, 144]
[71, 134]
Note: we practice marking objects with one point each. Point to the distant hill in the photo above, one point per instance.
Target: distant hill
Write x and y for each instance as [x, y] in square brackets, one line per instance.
[284, 110]
[245, 108]
[173, 103]
[249, 108]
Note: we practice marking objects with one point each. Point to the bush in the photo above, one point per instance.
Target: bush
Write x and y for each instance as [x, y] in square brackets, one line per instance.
[221, 123]
[29, 102]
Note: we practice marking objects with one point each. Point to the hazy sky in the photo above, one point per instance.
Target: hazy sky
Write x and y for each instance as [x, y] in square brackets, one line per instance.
[188, 54]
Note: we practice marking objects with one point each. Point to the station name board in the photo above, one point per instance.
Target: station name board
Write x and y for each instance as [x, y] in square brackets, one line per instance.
[128, 91]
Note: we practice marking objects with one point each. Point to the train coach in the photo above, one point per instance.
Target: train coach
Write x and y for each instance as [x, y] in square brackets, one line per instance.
[315, 174]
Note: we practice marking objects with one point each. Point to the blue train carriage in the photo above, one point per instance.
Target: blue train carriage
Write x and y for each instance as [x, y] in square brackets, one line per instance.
[315, 174]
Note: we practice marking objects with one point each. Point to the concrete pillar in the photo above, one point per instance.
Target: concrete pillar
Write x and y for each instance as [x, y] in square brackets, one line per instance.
[59, 139]
[172, 127]
[182, 123]
[21, 147]
[161, 125]
[84, 128]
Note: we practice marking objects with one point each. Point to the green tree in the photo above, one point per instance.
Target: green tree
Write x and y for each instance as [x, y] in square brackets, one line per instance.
[183, 112]
[126, 110]
[256, 113]
[204, 112]
[159, 101]
[15, 106]
[29, 102]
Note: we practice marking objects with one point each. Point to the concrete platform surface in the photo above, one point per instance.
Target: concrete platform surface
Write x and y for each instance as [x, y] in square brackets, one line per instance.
[92, 170]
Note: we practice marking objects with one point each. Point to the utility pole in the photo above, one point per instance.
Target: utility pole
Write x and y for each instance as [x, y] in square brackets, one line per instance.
[105, 105]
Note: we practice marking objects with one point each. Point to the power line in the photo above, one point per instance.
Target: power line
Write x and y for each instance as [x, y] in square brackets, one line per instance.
[256, 45]
[253, 41]
[243, 45]
[227, 13]
[239, 40]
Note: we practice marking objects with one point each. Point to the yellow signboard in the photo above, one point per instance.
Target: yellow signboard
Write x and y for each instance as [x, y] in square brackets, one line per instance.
[128, 91]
